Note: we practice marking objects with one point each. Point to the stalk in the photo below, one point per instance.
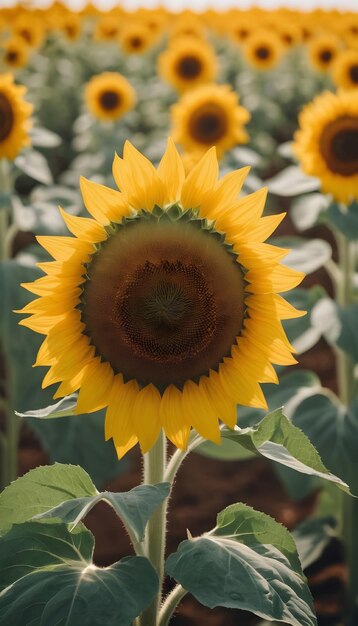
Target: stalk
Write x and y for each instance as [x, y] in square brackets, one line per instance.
[345, 373]
[170, 604]
[154, 541]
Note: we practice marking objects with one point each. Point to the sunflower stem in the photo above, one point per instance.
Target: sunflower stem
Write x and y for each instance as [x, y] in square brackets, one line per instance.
[345, 373]
[170, 604]
[154, 541]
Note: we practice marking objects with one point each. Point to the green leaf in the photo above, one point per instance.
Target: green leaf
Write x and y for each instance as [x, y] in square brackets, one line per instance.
[348, 338]
[305, 210]
[63, 408]
[311, 538]
[291, 182]
[44, 138]
[333, 430]
[276, 438]
[135, 507]
[306, 255]
[345, 219]
[34, 164]
[51, 579]
[242, 523]
[242, 564]
[41, 489]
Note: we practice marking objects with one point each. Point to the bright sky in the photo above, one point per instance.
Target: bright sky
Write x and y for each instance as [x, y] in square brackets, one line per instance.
[177, 5]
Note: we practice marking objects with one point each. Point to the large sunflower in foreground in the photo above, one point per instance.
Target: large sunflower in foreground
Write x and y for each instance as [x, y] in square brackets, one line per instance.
[163, 307]
[345, 70]
[327, 143]
[207, 116]
[109, 96]
[188, 62]
[14, 118]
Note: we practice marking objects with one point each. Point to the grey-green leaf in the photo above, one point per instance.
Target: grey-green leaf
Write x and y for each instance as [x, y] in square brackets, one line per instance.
[54, 580]
[292, 181]
[34, 164]
[134, 507]
[62, 408]
[41, 489]
[237, 567]
[276, 438]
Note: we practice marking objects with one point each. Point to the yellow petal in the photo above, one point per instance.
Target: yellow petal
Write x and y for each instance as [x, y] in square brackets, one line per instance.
[95, 387]
[138, 179]
[171, 172]
[173, 418]
[200, 413]
[201, 181]
[145, 417]
[223, 405]
[118, 422]
[66, 248]
[104, 204]
[83, 227]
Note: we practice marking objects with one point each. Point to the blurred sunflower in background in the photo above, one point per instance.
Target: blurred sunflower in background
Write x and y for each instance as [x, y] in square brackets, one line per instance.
[327, 143]
[15, 53]
[30, 30]
[322, 51]
[135, 38]
[345, 70]
[109, 96]
[263, 49]
[14, 118]
[107, 28]
[70, 26]
[188, 62]
[239, 29]
[163, 307]
[207, 116]
[290, 34]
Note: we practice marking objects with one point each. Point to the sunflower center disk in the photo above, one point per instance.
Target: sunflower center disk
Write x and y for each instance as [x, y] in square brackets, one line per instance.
[326, 56]
[208, 124]
[164, 301]
[353, 72]
[262, 52]
[189, 67]
[339, 146]
[6, 117]
[109, 100]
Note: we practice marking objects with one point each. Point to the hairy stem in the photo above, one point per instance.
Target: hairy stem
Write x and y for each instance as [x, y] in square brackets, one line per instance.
[170, 604]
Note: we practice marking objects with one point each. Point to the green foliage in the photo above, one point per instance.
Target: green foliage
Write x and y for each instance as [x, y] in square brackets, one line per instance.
[34, 164]
[246, 562]
[292, 181]
[66, 492]
[276, 438]
[49, 577]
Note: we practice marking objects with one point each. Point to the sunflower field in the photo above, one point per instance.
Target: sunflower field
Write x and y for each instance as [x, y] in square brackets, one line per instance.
[179, 317]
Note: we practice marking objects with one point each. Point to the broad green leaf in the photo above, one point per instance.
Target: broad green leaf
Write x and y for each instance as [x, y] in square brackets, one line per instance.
[311, 538]
[44, 138]
[134, 507]
[226, 451]
[242, 564]
[333, 430]
[276, 438]
[34, 164]
[305, 210]
[244, 524]
[41, 489]
[291, 182]
[63, 408]
[345, 219]
[51, 579]
[306, 255]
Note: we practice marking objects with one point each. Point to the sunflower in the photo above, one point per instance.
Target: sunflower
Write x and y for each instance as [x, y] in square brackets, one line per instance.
[327, 143]
[29, 28]
[70, 26]
[135, 38]
[322, 51]
[188, 62]
[163, 307]
[207, 116]
[263, 49]
[14, 118]
[345, 70]
[15, 53]
[109, 96]
[107, 29]
[240, 29]
[290, 34]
